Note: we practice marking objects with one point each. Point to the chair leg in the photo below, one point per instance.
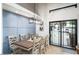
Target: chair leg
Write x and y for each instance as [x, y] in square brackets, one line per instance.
[43, 51]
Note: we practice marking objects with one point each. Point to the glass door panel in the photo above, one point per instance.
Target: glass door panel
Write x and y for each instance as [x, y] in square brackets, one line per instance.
[55, 33]
[66, 34]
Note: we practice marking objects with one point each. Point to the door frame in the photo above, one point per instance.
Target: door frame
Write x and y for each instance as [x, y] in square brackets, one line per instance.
[76, 41]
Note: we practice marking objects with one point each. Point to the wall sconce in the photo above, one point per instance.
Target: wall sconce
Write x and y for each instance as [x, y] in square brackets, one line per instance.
[41, 26]
[32, 20]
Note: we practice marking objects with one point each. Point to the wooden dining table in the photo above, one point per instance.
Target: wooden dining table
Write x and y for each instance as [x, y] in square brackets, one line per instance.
[24, 45]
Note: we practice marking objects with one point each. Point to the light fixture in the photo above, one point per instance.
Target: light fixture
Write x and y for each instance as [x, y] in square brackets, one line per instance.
[33, 20]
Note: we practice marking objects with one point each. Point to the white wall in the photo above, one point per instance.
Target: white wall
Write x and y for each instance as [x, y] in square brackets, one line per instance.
[41, 10]
[63, 14]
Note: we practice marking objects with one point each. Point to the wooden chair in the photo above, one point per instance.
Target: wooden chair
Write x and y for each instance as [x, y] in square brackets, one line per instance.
[42, 46]
[46, 42]
[13, 47]
[36, 46]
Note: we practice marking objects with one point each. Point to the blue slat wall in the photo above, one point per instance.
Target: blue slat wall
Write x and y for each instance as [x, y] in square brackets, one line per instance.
[15, 24]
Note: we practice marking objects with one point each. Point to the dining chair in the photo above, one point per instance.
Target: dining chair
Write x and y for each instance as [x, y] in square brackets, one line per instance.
[21, 37]
[13, 47]
[46, 42]
[42, 46]
[36, 46]
[25, 37]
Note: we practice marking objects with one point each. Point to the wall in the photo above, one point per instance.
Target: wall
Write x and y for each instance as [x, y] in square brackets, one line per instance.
[14, 24]
[41, 9]
[64, 14]
[29, 6]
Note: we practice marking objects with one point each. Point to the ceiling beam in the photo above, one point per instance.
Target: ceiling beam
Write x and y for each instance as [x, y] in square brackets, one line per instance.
[74, 5]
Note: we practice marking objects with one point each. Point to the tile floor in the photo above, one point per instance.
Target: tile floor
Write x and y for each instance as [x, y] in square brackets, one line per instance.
[59, 50]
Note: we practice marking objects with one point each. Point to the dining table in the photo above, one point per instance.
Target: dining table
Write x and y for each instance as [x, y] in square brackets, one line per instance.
[26, 45]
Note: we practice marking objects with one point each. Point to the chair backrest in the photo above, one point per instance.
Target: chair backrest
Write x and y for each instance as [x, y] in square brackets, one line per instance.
[42, 45]
[36, 46]
[24, 37]
[42, 41]
[12, 39]
[21, 37]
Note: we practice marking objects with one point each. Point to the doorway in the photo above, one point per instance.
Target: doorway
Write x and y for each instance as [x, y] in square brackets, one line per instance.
[63, 33]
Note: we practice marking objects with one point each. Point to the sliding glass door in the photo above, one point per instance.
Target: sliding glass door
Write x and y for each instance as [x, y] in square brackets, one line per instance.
[63, 33]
